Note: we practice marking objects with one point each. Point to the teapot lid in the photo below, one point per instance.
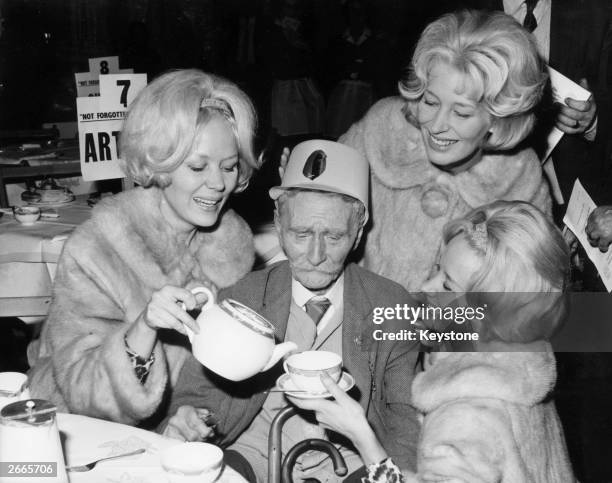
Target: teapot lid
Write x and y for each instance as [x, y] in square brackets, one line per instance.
[30, 411]
[248, 317]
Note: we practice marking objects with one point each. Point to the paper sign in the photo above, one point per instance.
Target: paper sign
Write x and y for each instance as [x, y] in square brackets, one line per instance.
[100, 121]
[104, 65]
[87, 84]
[120, 90]
[562, 88]
[578, 210]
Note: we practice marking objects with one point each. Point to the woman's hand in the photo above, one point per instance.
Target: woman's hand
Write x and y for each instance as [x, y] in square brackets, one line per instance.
[599, 228]
[344, 415]
[165, 312]
[188, 424]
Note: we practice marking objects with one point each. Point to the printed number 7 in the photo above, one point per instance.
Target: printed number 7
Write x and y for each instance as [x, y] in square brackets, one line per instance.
[125, 83]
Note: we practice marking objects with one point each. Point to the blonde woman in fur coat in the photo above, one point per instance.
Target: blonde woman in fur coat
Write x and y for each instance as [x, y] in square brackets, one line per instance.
[449, 144]
[187, 141]
[486, 414]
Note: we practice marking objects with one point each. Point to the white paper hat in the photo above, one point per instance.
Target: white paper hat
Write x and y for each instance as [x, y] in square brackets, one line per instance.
[326, 166]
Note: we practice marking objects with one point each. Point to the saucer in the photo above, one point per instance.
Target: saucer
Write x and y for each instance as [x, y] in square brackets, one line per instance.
[286, 385]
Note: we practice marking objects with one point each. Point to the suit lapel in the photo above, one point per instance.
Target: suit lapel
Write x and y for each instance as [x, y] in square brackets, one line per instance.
[275, 306]
[357, 355]
[277, 298]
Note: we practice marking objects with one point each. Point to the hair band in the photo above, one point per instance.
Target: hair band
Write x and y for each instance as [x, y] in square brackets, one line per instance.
[477, 231]
[218, 105]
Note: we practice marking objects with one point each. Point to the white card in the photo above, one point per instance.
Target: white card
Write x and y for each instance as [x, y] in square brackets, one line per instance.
[578, 210]
[117, 91]
[87, 84]
[98, 136]
[104, 65]
[562, 88]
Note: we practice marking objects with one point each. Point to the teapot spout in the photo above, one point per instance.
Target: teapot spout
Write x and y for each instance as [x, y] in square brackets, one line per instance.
[280, 350]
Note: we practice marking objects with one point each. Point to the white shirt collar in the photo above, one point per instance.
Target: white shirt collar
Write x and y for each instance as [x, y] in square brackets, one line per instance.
[301, 294]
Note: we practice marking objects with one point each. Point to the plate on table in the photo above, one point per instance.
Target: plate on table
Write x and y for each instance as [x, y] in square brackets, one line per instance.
[286, 385]
[53, 204]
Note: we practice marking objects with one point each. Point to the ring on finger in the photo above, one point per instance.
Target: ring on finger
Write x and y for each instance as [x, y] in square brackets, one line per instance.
[576, 124]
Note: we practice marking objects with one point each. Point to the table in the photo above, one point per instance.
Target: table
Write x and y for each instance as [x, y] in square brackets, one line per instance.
[86, 439]
[28, 258]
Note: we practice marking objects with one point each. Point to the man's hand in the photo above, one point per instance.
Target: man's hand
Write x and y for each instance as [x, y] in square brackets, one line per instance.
[599, 228]
[576, 117]
[188, 424]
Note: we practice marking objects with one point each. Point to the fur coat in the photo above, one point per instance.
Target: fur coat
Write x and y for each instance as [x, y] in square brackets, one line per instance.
[487, 419]
[412, 200]
[106, 275]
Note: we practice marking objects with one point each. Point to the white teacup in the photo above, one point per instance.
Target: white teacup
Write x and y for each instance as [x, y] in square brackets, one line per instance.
[13, 388]
[192, 462]
[234, 341]
[306, 368]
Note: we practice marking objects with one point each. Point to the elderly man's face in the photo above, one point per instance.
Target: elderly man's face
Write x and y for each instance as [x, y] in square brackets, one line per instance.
[317, 232]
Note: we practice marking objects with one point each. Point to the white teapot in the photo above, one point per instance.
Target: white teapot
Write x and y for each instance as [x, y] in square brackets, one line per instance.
[234, 341]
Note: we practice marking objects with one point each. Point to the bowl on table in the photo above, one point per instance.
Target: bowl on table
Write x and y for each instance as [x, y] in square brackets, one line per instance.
[26, 215]
[192, 462]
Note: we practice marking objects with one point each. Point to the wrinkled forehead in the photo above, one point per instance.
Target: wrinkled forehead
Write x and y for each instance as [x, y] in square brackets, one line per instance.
[315, 206]
[468, 80]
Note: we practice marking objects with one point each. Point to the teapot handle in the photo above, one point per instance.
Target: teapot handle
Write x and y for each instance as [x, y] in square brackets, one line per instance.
[209, 303]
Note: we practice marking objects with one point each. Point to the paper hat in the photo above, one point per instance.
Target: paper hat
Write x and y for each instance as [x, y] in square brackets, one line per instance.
[326, 166]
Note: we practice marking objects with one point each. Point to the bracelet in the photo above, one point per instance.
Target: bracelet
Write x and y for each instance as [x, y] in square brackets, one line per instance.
[141, 365]
[384, 472]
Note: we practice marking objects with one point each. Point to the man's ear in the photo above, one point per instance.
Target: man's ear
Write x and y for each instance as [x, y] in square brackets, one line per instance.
[358, 238]
[277, 224]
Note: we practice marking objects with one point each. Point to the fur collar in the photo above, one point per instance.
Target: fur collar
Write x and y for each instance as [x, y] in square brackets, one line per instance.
[523, 378]
[133, 218]
[400, 160]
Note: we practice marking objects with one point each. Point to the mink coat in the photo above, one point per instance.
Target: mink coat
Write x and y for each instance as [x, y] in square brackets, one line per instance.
[412, 200]
[487, 419]
[106, 275]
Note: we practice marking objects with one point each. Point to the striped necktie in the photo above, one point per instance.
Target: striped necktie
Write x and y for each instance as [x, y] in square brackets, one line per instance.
[530, 22]
[316, 308]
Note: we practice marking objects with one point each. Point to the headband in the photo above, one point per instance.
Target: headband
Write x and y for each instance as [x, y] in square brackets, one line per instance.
[218, 105]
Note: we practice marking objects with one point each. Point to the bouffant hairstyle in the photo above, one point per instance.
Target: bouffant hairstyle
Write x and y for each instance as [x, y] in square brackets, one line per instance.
[524, 273]
[167, 117]
[499, 59]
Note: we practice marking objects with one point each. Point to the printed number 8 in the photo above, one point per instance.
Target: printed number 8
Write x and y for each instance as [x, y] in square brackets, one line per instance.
[103, 67]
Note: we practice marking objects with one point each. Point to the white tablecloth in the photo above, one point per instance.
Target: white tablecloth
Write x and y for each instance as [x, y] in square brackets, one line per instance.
[87, 439]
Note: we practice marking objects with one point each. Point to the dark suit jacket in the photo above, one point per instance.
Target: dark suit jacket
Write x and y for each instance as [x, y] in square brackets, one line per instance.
[383, 371]
[577, 33]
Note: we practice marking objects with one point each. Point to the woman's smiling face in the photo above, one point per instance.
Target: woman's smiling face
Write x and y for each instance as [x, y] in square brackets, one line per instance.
[201, 185]
[453, 122]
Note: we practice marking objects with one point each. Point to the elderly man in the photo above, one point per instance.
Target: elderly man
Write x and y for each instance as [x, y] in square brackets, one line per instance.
[320, 302]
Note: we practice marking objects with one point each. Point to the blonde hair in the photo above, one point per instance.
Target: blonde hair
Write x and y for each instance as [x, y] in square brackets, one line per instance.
[524, 273]
[497, 55]
[166, 119]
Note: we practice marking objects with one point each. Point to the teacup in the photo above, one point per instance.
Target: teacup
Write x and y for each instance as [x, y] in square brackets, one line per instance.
[306, 368]
[26, 215]
[234, 341]
[192, 462]
[13, 387]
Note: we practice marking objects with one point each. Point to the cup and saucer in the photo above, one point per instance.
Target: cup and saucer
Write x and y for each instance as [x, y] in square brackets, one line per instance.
[302, 378]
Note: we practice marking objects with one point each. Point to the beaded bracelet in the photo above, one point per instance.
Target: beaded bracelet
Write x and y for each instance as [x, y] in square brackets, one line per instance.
[141, 365]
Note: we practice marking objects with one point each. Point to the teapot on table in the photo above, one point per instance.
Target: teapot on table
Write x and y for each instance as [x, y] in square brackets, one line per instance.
[234, 341]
